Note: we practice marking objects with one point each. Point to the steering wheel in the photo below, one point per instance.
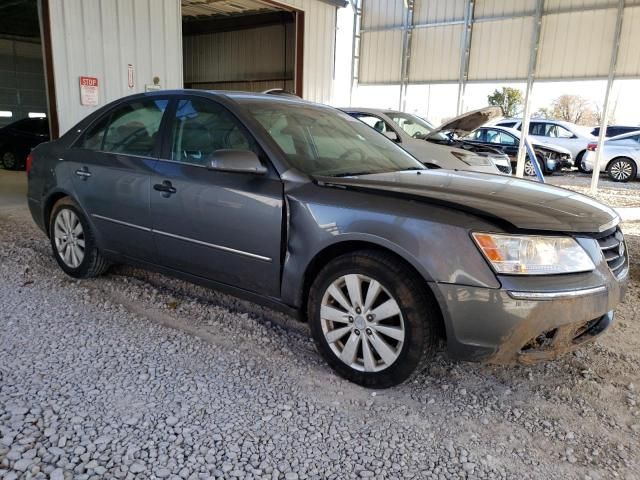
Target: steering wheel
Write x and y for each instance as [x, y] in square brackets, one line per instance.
[351, 151]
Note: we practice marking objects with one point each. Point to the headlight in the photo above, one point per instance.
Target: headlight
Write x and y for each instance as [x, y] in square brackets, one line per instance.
[475, 160]
[533, 255]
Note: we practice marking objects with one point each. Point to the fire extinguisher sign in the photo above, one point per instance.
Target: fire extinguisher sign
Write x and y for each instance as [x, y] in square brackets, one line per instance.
[89, 91]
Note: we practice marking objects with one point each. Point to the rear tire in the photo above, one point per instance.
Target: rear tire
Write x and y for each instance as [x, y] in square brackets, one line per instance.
[622, 169]
[578, 162]
[73, 242]
[383, 329]
[10, 160]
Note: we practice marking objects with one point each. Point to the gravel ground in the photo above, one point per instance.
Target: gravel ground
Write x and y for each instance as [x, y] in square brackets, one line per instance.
[136, 375]
[609, 192]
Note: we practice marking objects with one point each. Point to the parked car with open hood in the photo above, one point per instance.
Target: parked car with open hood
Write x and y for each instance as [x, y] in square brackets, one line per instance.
[507, 140]
[18, 138]
[308, 210]
[556, 132]
[438, 147]
[620, 157]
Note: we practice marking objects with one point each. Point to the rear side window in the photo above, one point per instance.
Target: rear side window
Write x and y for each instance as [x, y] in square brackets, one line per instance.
[201, 127]
[374, 122]
[507, 124]
[131, 129]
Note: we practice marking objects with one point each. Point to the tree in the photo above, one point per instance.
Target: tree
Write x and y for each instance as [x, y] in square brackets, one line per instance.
[574, 109]
[543, 112]
[510, 99]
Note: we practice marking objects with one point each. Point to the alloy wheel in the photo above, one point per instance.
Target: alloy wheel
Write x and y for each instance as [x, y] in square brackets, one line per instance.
[528, 168]
[9, 160]
[69, 238]
[621, 170]
[362, 323]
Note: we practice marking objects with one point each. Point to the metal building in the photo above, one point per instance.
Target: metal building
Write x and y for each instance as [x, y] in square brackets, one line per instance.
[96, 51]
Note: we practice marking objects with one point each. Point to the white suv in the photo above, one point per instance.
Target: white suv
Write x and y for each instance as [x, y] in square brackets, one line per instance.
[556, 132]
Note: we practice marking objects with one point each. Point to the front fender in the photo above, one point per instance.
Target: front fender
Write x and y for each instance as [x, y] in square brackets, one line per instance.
[432, 239]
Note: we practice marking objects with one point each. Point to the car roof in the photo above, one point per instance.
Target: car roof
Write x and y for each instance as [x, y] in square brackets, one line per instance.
[512, 131]
[625, 135]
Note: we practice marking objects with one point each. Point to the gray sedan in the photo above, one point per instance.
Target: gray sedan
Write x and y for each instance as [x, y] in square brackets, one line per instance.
[305, 209]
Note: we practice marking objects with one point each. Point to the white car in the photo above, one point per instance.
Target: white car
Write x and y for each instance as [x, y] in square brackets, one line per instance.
[431, 146]
[556, 132]
[620, 157]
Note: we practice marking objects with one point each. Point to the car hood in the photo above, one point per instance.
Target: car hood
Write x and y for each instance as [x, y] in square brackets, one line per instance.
[523, 204]
[549, 146]
[466, 123]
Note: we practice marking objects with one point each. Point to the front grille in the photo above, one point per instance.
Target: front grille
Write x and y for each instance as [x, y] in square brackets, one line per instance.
[504, 169]
[614, 251]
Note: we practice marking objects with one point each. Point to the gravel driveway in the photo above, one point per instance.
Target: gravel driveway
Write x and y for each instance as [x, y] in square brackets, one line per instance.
[136, 375]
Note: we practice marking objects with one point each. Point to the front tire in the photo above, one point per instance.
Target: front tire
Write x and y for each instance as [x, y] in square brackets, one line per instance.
[73, 242]
[621, 170]
[371, 319]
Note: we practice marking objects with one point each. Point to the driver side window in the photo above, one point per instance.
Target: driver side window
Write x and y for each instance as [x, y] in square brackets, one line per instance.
[201, 127]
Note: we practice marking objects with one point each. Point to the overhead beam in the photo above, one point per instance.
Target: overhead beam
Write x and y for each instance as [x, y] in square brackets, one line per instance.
[533, 64]
[595, 176]
[406, 53]
[465, 53]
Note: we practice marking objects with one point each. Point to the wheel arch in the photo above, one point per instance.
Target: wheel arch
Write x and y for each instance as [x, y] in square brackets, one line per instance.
[330, 252]
[50, 201]
[620, 157]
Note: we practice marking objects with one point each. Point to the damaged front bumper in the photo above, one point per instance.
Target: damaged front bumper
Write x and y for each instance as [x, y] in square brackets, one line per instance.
[525, 325]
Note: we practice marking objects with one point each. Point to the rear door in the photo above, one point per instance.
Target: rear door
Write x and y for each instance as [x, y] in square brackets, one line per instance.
[112, 163]
[224, 226]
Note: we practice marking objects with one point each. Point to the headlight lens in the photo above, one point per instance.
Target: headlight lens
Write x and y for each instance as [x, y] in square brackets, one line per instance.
[475, 160]
[533, 255]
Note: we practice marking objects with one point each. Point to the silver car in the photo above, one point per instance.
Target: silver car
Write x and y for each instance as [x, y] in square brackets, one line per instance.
[437, 147]
[620, 157]
[305, 209]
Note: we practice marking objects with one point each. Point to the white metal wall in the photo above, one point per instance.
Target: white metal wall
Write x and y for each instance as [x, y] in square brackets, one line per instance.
[256, 54]
[100, 37]
[319, 48]
[576, 40]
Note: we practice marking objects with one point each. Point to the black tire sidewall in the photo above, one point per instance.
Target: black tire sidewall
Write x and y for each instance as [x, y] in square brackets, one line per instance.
[625, 160]
[90, 249]
[16, 164]
[578, 162]
[416, 324]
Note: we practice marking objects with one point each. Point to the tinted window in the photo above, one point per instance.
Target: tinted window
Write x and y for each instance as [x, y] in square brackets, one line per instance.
[499, 137]
[131, 129]
[375, 122]
[201, 127]
[507, 124]
[536, 128]
[323, 141]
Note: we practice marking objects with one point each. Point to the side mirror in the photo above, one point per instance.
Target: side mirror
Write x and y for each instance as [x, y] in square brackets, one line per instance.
[237, 161]
[391, 135]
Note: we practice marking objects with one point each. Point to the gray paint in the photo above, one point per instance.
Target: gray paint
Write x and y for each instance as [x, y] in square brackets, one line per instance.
[259, 234]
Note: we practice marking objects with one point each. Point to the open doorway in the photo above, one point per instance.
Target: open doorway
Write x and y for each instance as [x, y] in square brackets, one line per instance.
[24, 116]
[250, 45]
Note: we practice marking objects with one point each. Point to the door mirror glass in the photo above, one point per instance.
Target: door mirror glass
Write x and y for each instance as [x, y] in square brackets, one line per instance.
[238, 161]
[391, 135]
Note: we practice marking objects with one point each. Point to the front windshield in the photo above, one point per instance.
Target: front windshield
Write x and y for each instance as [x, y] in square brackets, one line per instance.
[323, 141]
[415, 126]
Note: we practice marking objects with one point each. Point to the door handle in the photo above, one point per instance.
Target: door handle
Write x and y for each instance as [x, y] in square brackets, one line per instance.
[166, 188]
[83, 173]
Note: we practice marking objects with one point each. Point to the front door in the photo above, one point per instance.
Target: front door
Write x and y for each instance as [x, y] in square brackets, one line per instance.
[222, 226]
[112, 165]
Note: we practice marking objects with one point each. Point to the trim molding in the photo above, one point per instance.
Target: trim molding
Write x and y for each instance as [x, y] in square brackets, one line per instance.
[557, 295]
[186, 239]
